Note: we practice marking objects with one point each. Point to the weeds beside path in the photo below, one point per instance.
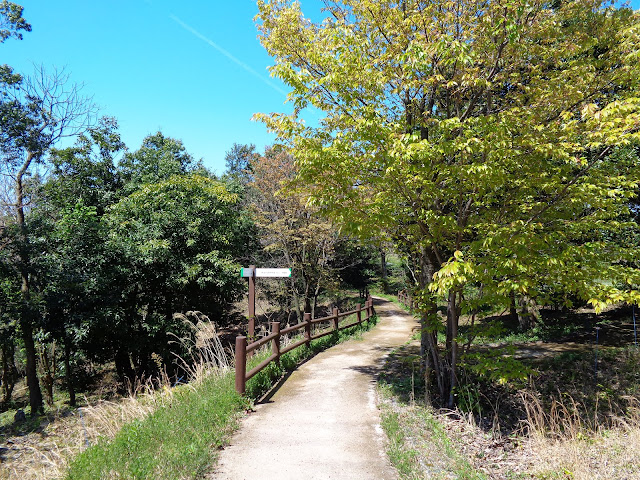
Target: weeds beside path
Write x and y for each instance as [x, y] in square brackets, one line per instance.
[323, 421]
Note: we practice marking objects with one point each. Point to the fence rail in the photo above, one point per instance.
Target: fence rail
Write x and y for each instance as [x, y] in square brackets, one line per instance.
[335, 319]
[405, 299]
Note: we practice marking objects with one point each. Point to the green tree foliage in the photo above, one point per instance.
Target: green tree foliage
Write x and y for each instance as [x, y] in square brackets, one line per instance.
[297, 236]
[355, 262]
[87, 172]
[176, 248]
[482, 137]
[11, 21]
[156, 160]
[239, 162]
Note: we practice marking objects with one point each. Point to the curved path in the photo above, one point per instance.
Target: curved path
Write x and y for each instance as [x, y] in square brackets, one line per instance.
[322, 423]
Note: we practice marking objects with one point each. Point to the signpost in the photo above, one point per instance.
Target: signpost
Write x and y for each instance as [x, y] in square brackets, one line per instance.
[251, 273]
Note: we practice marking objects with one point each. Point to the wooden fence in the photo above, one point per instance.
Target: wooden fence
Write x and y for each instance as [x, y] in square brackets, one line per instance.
[405, 299]
[243, 349]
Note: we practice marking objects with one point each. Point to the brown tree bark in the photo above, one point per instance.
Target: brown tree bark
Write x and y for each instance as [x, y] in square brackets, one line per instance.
[9, 371]
[69, 373]
[26, 317]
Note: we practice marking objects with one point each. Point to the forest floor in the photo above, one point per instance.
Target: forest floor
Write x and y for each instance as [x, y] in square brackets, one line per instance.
[575, 417]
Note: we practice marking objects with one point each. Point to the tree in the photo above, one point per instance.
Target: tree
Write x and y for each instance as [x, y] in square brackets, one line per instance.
[239, 162]
[11, 21]
[37, 112]
[87, 172]
[176, 247]
[300, 238]
[156, 160]
[74, 267]
[481, 136]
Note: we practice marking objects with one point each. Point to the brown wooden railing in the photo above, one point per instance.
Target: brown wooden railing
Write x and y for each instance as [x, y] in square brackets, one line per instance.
[243, 349]
[405, 299]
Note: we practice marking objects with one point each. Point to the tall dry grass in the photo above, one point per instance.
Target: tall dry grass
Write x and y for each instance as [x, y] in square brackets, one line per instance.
[568, 445]
[47, 454]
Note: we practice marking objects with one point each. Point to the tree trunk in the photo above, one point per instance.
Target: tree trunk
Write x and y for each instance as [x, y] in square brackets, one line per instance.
[430, 323]
[513, 311]
[26, 325]
[383, 271]
[35, 394]
[123, 366]
[9, 371]
[48, 370]
[68, 372]
[527, 317]
[453, 318]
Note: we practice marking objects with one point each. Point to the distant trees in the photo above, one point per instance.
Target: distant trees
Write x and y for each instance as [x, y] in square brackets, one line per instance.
[296, 235]
[302, 239]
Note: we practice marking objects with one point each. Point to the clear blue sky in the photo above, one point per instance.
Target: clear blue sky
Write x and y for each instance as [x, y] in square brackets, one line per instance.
[194, 70]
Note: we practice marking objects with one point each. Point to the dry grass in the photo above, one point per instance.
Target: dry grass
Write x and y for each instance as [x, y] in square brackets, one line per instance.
[46, 453]
[569, 446]
[609, 455]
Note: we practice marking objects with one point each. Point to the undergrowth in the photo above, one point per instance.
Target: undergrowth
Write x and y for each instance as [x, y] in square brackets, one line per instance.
[543, 411]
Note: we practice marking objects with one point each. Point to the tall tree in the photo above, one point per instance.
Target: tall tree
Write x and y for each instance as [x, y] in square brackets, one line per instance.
[295, 233]
[479, 134]
[42, 109]
[74, 266]
[176, 245]
[156, 160]
[239, 161]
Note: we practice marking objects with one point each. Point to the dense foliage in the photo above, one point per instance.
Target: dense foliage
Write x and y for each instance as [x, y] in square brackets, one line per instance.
[490, 140]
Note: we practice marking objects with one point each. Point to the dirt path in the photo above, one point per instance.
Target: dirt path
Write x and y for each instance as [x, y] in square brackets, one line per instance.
[322, 423]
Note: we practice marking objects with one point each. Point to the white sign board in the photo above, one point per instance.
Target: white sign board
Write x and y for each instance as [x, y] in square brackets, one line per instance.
[273, 272]
[265, 272]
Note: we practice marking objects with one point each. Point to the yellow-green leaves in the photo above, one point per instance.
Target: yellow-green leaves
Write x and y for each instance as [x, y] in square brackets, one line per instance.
[490, 129]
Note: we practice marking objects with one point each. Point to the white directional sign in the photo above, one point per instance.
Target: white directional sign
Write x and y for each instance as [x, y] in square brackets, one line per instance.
[273, 272]
[265, 272]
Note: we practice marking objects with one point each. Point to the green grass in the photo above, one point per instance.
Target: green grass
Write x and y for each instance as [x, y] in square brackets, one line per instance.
[179, 440]
[176, 441]
[419, 446]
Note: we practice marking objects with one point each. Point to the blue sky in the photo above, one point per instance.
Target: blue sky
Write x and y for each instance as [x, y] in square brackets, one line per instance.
[194, 70]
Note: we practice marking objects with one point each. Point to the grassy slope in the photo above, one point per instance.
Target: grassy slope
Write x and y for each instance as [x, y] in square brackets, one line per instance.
[179, 440]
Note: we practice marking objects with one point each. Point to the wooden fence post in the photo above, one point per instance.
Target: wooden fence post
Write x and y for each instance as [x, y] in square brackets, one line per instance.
[275, 343]
[336, 318]
[359, 313]
[370, 306]
[241, 364]
[307, 328]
